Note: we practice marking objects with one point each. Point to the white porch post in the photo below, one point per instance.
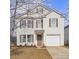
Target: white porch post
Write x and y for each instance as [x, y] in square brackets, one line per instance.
[35, 40]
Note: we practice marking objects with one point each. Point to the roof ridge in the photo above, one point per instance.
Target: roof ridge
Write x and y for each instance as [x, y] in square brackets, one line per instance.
[66, 26]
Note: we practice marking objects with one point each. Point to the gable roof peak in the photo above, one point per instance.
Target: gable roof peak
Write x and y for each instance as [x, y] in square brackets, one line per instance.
[50, 9]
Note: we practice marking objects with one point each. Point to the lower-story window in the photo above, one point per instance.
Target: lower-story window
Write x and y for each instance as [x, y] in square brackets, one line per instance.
[22, 38]
[30, 38]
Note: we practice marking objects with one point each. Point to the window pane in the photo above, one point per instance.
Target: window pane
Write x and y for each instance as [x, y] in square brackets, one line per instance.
[22, 23]
[39, 10]
[53, 22]
[30, 38]
[22, 38]
[39, 23]
[30, 23]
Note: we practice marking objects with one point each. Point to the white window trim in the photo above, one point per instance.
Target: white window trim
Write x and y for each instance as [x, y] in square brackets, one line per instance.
[30, 25]
[22, 39]
[23, 23]
[31, 38]
[39, 23]
[53, 22]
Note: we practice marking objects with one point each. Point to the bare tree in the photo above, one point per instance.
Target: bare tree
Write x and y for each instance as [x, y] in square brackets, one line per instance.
[20, 7]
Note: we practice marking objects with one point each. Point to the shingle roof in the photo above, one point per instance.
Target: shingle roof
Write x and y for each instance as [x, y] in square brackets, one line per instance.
[66, 26]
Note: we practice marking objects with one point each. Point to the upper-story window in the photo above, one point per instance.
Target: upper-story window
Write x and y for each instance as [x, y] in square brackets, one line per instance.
[22, 23]
[29, 23]
[39, 23]
[53, 22]
[39, 10]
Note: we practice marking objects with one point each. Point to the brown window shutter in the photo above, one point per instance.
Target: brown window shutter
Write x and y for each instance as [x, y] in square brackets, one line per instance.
[36, 24]
[20, 24]
[37, 10]
[56, 22]
[32, 38]
[25, 23]
[49, 22]
[42, 23]
[20, 39]
[42, 10]
[32, 24]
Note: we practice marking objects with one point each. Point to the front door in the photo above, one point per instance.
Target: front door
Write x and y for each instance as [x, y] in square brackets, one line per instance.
[39, 40]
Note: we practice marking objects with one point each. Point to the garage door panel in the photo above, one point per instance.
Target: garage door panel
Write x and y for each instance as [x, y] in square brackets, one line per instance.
[52, 40]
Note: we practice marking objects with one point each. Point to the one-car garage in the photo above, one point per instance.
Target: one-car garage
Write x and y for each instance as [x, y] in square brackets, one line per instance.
[52, 40]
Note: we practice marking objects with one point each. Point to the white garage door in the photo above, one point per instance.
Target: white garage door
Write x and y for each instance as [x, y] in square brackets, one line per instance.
[52, 40]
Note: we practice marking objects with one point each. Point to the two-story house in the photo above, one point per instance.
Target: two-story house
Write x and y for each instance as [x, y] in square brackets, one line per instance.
[42, 26]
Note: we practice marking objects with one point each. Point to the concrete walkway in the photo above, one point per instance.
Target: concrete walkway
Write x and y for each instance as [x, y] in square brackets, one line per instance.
[59, 52]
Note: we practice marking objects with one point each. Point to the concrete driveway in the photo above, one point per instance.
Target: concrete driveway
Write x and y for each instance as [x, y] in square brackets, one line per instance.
[59, 52]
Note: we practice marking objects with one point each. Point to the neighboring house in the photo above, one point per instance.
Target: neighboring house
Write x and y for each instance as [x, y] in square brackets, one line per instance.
[42, 26]
[66, 35]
